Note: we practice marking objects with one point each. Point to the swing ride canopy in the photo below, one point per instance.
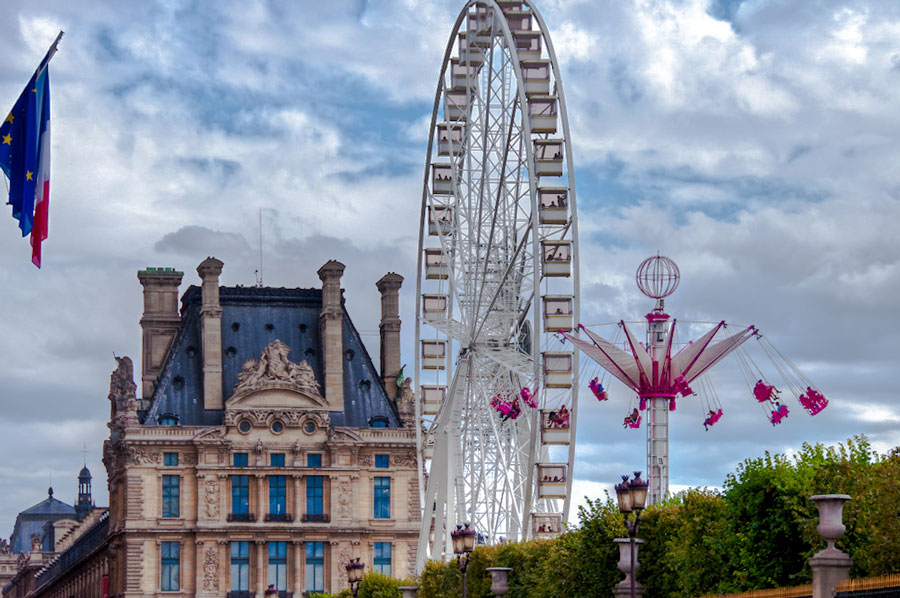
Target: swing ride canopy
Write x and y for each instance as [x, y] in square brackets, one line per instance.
[638, 370]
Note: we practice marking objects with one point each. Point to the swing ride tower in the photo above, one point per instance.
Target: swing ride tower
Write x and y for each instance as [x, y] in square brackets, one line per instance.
[651, 370]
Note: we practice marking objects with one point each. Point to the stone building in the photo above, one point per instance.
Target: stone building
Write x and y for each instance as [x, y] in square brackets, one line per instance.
[266, 448]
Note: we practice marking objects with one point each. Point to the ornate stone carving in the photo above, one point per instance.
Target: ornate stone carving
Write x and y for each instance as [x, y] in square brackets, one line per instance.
[141, 456]
[406, 403]
[4, 547]
[292, 418]
[365, 460]
[210, 570]
[259, 452]
[35, 542]
[212, 498]
[344, 557]
[344, 499]
[403, 461]
[187, 459]
[122, 398]
[275, 370]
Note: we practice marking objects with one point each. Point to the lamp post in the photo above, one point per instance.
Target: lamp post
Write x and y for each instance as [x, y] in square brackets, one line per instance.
[355, 574]
[632, 496]
[463, 545]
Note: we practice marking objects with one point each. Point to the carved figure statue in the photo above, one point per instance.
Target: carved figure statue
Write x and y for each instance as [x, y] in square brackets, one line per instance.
[4, 547]
[275, 369]
[35, 542]
[122, 397]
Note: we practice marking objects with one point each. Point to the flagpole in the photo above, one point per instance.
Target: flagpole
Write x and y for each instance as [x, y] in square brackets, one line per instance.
[50, 53]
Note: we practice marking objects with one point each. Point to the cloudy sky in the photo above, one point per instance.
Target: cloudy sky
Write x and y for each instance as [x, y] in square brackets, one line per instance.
[755, 142]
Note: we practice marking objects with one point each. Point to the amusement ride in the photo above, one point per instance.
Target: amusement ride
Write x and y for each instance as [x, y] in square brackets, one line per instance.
[497, 278]
[661, 371]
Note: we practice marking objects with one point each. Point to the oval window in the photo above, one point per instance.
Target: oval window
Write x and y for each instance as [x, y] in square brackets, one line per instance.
[277, 427]
[244, 427]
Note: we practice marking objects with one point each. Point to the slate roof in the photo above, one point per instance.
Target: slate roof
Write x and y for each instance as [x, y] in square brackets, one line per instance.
[32, 520]
[253, 317]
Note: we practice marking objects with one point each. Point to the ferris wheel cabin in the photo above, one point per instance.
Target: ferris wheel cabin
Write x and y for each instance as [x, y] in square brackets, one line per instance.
[546, 526]
[542, 110]
[536, 72]
[433, 397]
[548, 157]
[436, 265]
[456, 104]
[461, 73]
[439, 220]
[552, 430]
[450, 138]
[434, 354]
[558, 312]
[554, 205]
[556, 257]
[434, 305]
[552, 480]
[441, 179]
[557, 369]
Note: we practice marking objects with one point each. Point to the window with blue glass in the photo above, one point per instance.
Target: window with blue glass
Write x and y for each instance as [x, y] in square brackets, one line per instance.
[314, 460]
[240, 459]
[170, 459]
[378, 421]
[277, 494]
[169, 565]
[314, 493]
[240, 566]
[382, 562]
[240, 494]
[278, 565]
[170, 494]
[276, 459]
[382, 497]
[315, 567]
[167, 420]
[382, 461]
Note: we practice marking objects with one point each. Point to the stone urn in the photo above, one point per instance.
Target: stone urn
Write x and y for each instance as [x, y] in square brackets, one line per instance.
[829, 566]
[498, 580]
[623, 588]
[831, 516]
[409, 591]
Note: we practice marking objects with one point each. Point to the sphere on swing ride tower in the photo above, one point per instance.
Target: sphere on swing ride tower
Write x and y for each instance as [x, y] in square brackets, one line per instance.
[658, 276]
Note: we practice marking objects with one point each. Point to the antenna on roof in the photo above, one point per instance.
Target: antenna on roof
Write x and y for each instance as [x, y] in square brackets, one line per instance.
[84, 452]
[259, 272]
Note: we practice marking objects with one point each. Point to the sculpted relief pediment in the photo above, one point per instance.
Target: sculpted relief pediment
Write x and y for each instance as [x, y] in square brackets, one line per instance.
[275, 382]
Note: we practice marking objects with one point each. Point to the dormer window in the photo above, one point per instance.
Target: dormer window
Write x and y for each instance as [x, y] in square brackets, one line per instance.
[379, 421]
[168, 419]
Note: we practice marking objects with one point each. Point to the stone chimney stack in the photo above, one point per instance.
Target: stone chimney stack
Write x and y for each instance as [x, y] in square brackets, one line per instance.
[389, 287]
[211, 332]
[159, 323]
[331, 319]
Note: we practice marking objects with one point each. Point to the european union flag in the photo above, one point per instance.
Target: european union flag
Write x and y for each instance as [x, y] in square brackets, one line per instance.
[24, 145]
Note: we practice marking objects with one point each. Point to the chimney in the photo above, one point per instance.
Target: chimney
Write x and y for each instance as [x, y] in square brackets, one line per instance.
[211, 332]
[331, 319]
[159, 323]
[388, 286]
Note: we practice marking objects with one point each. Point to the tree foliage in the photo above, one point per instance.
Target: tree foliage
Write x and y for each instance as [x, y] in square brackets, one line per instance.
[758, 532]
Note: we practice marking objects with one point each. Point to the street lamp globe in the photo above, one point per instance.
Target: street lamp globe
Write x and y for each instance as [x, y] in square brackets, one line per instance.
[624, 496]
[638, 489]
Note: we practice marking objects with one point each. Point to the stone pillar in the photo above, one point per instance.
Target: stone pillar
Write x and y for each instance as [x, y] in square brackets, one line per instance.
[159, 323]
[829, 566]
[262, 503]
[211, 332]
[389, 287]
[623, 588]
[299, 547]
[261, 575]
[331, 320]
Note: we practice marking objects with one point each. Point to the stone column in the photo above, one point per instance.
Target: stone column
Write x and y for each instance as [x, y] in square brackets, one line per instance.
[159, 323]
[299, 547]
[829, 566]
[298, 513]
[262, 506]
[260, 568]
[211, 332]
[331, 321]
[623, 588]
[389, 287]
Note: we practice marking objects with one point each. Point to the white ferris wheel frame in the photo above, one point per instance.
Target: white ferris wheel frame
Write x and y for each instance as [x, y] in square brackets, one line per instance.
[445, 492]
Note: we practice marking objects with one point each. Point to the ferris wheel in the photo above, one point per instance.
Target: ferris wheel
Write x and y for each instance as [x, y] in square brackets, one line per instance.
[497, 279]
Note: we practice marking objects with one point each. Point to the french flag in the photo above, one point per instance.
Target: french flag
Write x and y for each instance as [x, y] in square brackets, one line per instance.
[42, 178]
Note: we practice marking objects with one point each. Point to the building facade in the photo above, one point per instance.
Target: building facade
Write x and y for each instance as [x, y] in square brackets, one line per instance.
[266, 450]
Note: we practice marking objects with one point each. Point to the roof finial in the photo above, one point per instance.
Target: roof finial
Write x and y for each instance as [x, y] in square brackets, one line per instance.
[50, 491]
[84, 452]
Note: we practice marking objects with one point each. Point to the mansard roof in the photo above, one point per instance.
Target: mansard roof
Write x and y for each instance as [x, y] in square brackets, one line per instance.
[32, 520]
[252, 318]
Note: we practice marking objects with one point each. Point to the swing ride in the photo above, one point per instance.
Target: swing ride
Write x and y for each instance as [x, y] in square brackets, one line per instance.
[660, 370]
